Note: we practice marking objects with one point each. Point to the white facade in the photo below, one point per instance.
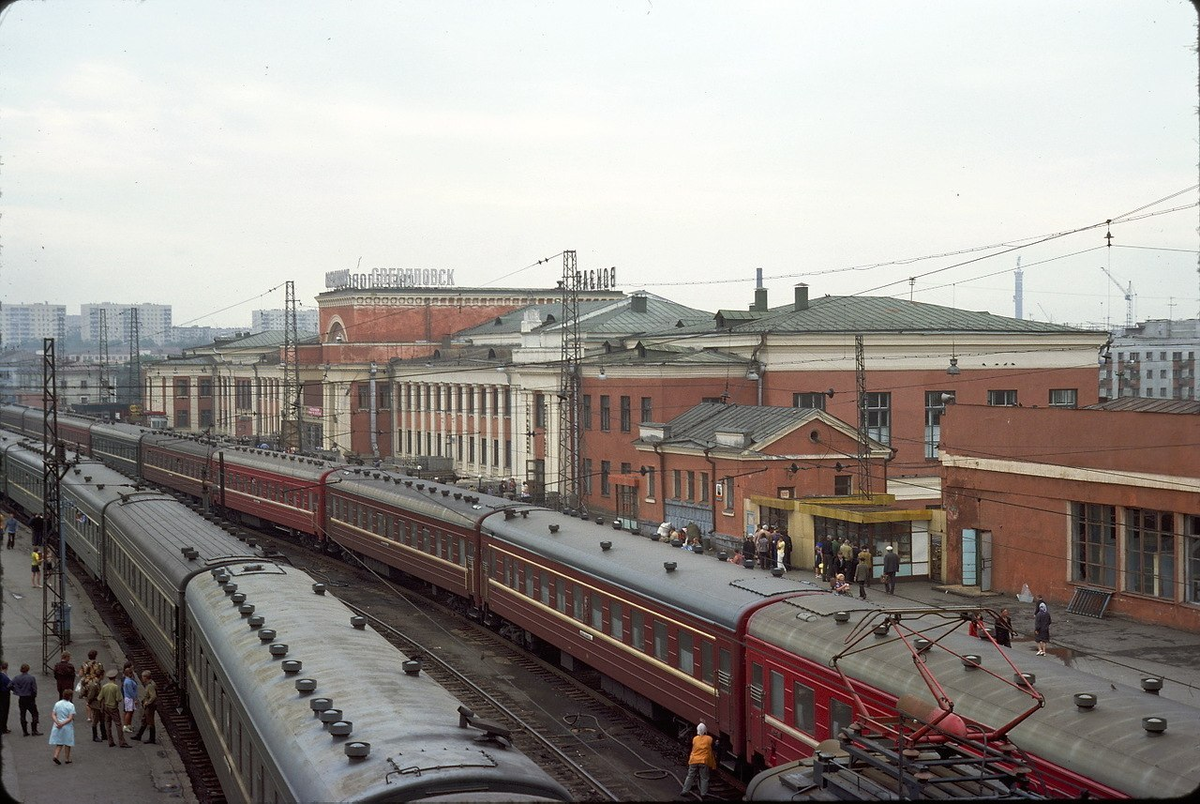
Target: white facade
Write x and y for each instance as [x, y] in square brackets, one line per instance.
[1155, 360]
[154, 322]
[27, 323]
[307, 321]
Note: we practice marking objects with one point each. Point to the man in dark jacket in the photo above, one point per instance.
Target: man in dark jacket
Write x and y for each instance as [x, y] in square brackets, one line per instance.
[891, 565]
[5, 696]
[64, 674]
[24, 686]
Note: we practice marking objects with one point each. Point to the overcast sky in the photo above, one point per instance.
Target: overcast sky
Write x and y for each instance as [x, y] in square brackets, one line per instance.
[200, 154]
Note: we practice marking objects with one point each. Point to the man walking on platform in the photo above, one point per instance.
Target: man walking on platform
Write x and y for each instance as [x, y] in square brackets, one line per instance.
[10, 530]
[110, 703]
[25, 688]
[891, 565]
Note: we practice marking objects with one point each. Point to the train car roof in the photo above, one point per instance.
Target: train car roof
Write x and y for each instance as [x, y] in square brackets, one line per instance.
[712, 590]
[411, 723]
[1107, 743]
[263, 460]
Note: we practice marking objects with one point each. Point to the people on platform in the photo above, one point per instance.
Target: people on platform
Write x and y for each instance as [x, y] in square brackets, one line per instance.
[737, 558]
[840, 585]
[1004, 629]
[62, 735]
[64, 673]
[129, 692]
[5, 696]
[862, 574]
[35, 578]
[891, 565]
[10, 530]
[93, 681]
[149, 702]
[1041, 627]
[110, 704]
[24, 686]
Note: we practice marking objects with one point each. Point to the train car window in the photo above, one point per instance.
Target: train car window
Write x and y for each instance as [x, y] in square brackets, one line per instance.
[756, 685]
[777, 690]
[840, 716]
[530, 578]
[635, 630]
[615, 621]
[660, 641]
[577, 602]
[706, 661]
[803, 707]
[462, 551]
[560, 594]
[687, 661]
[597, 612]
[545, 589]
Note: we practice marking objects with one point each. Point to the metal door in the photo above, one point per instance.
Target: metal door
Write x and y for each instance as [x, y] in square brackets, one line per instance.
[985, 561]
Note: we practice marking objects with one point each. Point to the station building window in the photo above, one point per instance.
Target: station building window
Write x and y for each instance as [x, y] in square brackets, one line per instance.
[1094, 544]
[1150, 552]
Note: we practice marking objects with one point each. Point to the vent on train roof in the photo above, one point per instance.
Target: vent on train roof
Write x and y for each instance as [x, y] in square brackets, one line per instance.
[1085, 700]
[357, 750]
[304, 685]
[292, 666]
[1154, 725]
[412, 667]
[605, 545]
[318, 588]
[245, 609]
[669, 566]
[330, 716]
[267, 635]
[358, 621]
[256, 621]
[343, 728]
[279, 649]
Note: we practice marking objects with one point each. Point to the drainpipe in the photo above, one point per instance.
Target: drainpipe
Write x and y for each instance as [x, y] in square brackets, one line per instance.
[712, 498]
[374, 414]
[757, 369]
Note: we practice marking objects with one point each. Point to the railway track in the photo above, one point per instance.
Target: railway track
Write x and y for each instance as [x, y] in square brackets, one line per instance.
[175, 719]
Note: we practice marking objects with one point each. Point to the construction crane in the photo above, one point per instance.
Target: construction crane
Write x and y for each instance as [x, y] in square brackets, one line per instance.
[1128, 292]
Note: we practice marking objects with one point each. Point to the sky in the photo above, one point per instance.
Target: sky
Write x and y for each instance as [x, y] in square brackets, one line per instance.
[202, 154]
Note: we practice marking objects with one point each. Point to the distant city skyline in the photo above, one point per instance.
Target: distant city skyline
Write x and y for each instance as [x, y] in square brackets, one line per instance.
[202, 155]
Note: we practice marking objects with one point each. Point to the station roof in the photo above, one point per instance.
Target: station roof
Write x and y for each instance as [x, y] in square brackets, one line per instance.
[858, 314]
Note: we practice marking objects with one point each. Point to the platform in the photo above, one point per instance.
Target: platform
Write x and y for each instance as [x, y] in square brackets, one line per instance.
[97, 773]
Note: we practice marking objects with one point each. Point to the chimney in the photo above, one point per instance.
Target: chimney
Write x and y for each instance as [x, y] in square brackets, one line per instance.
[760, 293]
[801, 297]
[760, 300]
[637, 302]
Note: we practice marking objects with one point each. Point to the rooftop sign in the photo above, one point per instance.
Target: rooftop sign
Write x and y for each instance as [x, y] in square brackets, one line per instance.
[390, 278]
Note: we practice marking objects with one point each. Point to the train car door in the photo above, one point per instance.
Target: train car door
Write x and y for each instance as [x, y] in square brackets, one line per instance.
[754, 719]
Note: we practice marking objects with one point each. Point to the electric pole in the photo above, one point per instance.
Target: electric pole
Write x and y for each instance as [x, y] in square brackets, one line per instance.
[569, 431]
[56, 613]
[291, 431]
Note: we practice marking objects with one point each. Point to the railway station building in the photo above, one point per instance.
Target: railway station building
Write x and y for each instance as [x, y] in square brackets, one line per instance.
[1095, 507]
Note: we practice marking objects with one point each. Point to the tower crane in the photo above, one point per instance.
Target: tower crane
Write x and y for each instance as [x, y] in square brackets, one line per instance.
[1128, 292]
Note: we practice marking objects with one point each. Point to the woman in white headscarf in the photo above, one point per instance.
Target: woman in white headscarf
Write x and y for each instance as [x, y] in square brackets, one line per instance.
[701, 761]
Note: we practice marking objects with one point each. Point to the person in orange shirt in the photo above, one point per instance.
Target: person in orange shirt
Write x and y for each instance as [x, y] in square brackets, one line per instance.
[700, 762]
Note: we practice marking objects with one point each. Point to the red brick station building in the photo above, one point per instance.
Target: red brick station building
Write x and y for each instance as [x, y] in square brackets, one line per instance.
[978, 450]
